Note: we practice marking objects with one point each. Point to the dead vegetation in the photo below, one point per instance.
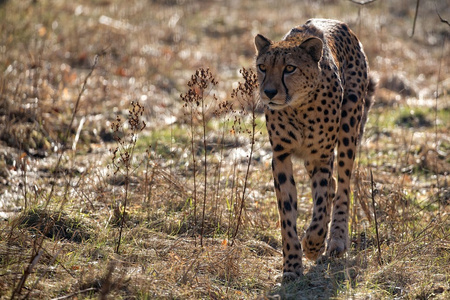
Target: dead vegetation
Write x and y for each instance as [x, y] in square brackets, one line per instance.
[185, 208]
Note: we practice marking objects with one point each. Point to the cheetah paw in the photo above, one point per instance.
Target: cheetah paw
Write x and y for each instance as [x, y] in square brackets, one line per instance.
[336, 248]
[289, 277]
[311, 254]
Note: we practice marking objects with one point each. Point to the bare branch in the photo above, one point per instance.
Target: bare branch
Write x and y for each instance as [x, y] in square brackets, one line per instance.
[442, 20]
[415, 18]
[76, 293]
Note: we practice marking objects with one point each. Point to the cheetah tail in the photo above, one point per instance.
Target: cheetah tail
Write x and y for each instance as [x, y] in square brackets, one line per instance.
[368, 101]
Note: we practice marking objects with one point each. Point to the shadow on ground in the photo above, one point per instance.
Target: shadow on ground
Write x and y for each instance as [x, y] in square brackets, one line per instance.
[323, 280]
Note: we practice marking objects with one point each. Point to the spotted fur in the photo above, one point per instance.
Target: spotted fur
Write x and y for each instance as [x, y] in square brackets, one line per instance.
[316, 90]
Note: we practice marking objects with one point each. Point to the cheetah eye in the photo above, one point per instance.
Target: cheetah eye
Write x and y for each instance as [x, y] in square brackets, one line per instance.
[289, 69]
[262, 68]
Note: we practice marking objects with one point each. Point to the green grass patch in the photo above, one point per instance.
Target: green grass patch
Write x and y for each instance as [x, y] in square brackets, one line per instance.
[408, 117]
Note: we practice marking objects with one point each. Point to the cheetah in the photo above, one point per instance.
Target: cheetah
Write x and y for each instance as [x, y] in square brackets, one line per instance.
[316, 91]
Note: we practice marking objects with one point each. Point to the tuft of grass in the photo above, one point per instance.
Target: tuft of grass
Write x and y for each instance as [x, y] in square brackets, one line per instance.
[54, 225]
[413, 119]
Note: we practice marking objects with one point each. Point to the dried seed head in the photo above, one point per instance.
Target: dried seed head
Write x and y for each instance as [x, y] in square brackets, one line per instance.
[200, 81]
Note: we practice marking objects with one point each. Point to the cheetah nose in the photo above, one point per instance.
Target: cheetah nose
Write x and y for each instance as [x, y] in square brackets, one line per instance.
[270, 93]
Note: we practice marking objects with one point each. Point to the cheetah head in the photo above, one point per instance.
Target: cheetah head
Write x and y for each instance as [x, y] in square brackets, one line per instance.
[288, 71]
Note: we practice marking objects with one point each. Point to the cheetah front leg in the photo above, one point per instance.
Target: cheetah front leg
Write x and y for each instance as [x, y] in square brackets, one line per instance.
[323, 191]
[338, 242]
[287, 207]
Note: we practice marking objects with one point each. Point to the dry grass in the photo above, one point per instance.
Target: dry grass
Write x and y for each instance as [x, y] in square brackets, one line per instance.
[63, 209]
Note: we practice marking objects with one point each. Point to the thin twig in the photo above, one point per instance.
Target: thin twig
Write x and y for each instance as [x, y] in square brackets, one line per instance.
[43, 274]
[436, 110]
[415, 18]
[241, 207]
[361, 4]
[205, 168]
[149, 184]
[246, 91]
[107, 283]
[230, 204]
[27, 272]
[442, 20]
[60, 263]
[194, 173]
[124, 209]
[183, 279]
[66, 135]
[126, 155]
[194, 98]
[76, 293]
[375, 217]
[24, 163]
[402, 252]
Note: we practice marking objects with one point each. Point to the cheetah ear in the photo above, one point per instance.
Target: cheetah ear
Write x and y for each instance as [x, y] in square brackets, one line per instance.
[261, 43]
[313, 47]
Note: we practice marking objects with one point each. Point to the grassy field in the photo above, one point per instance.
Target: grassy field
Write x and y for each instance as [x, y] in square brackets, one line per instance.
[124, 174]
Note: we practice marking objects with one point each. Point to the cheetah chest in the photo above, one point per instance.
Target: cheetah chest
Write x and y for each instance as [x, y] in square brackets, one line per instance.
[308, 133]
